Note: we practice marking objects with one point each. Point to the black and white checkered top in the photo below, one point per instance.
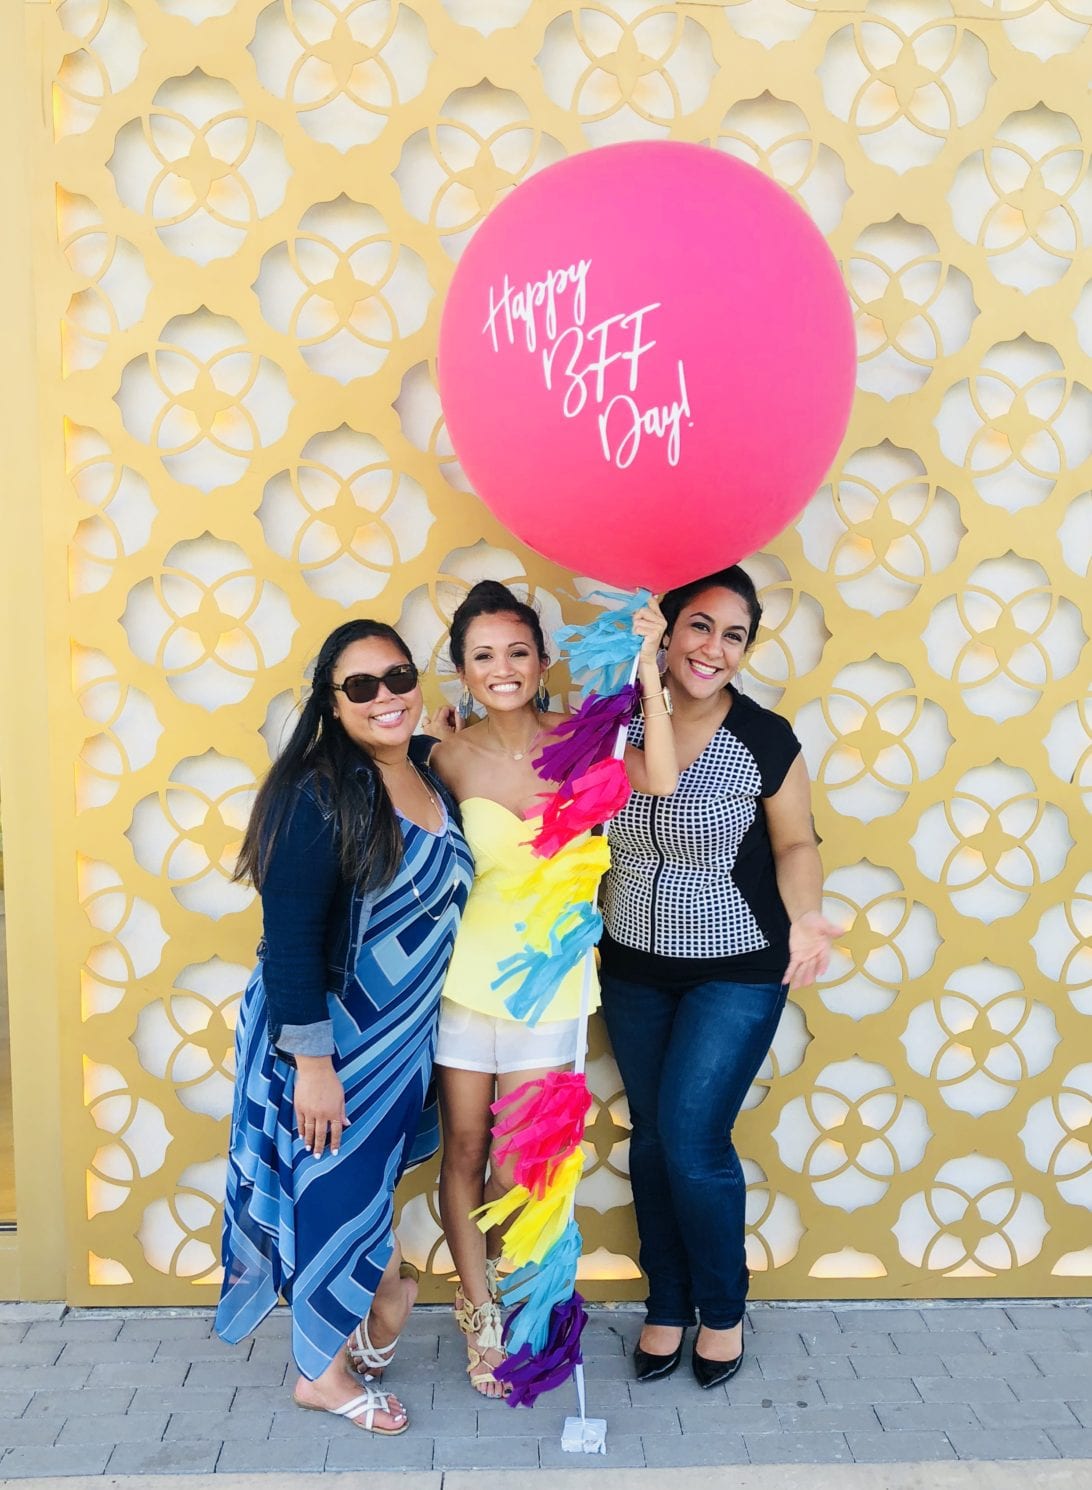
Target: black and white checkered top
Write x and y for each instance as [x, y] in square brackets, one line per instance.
[691, 892]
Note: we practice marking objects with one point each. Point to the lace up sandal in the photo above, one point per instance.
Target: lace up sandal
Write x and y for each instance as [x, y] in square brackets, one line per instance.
[365, 1358]
[492, 1278]
[481, 1324]
[361, 1412]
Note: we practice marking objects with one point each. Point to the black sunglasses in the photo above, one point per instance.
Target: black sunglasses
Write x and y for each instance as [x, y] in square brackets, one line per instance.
[361, 688]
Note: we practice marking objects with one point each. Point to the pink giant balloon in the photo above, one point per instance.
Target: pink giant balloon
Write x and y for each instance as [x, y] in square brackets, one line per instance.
[647, 361]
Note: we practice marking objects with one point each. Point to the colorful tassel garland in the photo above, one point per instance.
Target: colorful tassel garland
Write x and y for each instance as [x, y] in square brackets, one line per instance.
[587, 736]
[541, 1220]
[601, 652]
[543, 1122]
[599, 794]
[557, 887]
[544, 969]
[529, 1374]
[536, 1290]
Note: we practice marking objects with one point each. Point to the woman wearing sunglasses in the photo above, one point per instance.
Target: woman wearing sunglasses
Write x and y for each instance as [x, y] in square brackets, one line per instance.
[363, 871]
[499, 650]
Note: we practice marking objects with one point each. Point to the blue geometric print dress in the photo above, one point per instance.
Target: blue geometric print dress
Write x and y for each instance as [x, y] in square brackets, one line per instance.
[318, 1230]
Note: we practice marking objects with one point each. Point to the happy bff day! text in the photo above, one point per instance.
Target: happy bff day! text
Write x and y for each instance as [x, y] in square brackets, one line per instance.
[577, 358]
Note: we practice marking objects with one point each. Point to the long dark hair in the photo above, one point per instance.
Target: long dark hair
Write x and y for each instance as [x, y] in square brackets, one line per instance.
[734, 578]
[490, 598]
[348, 781]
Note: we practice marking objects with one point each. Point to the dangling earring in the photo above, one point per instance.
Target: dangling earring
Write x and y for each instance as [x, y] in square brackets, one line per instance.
[465, 706]
[542, 697]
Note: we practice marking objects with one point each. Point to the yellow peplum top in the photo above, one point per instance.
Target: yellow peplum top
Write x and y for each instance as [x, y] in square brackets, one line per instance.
[512, 885]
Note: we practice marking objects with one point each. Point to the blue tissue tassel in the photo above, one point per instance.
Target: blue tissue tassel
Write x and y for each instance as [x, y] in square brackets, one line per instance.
[543, 971]
[537, 1288]
[600, 653]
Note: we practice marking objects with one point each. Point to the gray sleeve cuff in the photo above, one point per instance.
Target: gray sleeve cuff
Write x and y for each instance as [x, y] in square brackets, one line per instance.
[307, 1039]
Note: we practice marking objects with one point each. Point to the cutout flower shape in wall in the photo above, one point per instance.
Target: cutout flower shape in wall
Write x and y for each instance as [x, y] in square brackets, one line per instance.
[344, 516]
[344, 289]
[626, 69]
[453, 173]
[1026, 200]
[1004, 636]
[180, 1233]
[791, 637]
[422, 421]
[121, 505]
[912, 307]
[115, 283]
[904, 77]
[992, 841]
[135, 931]
[1063, 945]
[139, 1135]
[771, 21]
[187, 1038]
[871, 738]
[881, 528]
[971, 1222]
[204, 400]
[427, 611]
[1075, 535]
[1069, 745]
[1057, 1136]
[130, 727]
[852, 1134]
[888, 940]
[981, 1039]
[103, 47]
[1044, 27]
[344, 66]
[1018, 424]
[199, 167]
[208, 622]
[605, 1181]
[775, 136]
[190, 832]
[773, 1225]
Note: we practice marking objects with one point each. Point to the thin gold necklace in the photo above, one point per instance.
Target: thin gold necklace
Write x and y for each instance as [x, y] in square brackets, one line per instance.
[516, 755]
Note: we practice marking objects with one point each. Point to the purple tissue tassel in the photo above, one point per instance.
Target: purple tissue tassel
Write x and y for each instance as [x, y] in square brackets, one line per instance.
[529, 1375]
[588, 736]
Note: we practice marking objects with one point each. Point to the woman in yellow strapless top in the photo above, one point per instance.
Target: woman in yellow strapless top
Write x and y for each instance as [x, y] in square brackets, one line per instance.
[498, 648]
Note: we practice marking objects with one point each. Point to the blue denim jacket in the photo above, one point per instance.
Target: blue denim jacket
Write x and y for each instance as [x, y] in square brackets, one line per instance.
[312, 918]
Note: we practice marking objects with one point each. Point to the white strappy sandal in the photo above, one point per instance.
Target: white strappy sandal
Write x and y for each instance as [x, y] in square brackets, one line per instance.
[370, 1401]
[365, 1358]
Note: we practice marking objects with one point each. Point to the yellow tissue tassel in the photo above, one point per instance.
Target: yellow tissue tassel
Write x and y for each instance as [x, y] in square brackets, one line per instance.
[540, 1223]
[556, 886]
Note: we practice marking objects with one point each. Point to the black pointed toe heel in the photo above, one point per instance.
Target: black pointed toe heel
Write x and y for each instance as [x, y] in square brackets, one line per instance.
[649, 1367]
[714, 1373]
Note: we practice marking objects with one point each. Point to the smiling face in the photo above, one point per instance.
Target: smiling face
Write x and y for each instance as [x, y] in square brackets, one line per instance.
[708, 642]
[501, 664]
[383, 726]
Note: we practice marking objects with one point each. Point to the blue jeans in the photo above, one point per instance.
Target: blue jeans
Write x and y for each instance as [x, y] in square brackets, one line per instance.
[688, 1057]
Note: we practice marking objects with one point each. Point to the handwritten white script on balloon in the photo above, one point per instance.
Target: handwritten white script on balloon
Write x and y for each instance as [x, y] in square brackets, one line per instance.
[575, 359]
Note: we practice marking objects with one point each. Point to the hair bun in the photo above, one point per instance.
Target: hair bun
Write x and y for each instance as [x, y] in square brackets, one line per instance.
[491, 591]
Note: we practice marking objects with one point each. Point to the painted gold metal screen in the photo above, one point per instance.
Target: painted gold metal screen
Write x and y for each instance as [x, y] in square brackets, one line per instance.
[246, 213]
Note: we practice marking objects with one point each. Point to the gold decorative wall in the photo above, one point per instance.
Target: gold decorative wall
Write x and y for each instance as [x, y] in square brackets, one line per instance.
[245, 214]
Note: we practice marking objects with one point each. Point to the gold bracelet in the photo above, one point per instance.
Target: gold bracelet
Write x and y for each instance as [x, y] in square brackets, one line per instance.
[657, 714]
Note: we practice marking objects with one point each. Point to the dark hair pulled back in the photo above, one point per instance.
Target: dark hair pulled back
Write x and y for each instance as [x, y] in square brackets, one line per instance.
[367, 828]
[734, 578]
[490, 598]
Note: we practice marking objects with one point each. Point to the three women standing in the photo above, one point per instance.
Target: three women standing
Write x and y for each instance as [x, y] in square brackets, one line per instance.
[712, 912]
[363, 872]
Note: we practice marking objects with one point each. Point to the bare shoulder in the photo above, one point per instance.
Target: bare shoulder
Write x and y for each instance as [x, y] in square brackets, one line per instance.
[454, 757]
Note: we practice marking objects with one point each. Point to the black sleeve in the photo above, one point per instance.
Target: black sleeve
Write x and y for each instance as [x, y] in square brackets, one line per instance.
[768, 737]
[301, 881]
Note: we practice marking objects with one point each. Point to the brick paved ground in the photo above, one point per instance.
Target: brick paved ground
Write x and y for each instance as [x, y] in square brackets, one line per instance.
[154, 1393]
